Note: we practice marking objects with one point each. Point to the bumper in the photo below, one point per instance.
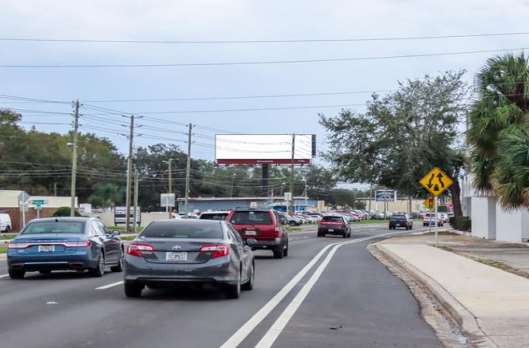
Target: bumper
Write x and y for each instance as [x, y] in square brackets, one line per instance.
[221, 270]
[264, 244]
[401, 225]
[331, 231]
[62, 262]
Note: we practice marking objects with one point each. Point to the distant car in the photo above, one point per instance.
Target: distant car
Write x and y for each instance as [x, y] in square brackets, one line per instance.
[430, 219]
[173, 252]
[444, 217]
[287, 219]
[261, 229]
[214, 215]
[400, 220]
[64, 243]
[5, 223]
[334, 224]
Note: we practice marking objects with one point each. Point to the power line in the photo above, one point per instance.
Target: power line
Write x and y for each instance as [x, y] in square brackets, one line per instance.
[256, 62]
[299, 107]
[208, 42]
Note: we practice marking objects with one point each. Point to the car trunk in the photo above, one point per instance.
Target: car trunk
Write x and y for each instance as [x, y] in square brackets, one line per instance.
[257, 225]
[178, 250]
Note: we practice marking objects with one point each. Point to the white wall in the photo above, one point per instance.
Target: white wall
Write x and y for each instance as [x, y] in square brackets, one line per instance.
[483, 215]
[108, 217]
[512, 225]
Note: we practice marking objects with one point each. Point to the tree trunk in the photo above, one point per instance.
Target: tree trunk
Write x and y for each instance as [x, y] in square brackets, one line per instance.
[455, 191]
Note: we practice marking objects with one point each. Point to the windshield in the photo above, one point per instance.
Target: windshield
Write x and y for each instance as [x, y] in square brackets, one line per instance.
[251, 218]
[45, 227]
[213, 216]
[332, 219]
[183, 229]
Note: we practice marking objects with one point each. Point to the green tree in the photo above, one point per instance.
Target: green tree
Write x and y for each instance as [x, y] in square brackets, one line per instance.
[498, 132]
[403, 135]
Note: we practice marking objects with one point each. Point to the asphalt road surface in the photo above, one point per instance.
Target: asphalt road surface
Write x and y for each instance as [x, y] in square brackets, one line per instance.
[329, 292]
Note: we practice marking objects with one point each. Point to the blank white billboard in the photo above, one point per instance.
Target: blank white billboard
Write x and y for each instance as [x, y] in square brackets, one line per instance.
[263, 148]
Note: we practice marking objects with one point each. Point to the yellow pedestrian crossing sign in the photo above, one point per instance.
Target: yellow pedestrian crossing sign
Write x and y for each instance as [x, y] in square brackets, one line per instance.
[436, 181]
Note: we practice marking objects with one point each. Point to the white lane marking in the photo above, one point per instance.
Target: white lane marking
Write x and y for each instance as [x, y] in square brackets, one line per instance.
[52, 302]
[4, 276]
[111, 285]
[277, 327]
[260, 315]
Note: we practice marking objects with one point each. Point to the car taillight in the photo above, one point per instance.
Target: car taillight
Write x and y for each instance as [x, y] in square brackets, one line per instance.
[137, 249]
[83, 244]
[15, 245]
[216, 250]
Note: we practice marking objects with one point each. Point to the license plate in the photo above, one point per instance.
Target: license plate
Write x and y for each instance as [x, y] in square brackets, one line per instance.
[176, 256]
[331, 229]
[251, 233]
[46, 248]
[398, 225]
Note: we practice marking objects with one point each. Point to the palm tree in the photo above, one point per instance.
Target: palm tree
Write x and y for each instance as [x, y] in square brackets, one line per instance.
[498, 131]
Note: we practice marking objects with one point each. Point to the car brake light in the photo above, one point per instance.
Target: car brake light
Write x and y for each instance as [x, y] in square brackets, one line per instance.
[14, 245]
[216, 250]
[137, 249]
[83, 244]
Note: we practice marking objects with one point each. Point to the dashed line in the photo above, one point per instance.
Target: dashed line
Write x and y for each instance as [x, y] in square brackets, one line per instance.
[111, 285]
[4, 276]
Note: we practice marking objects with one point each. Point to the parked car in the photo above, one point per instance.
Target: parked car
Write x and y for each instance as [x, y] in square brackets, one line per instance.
[64, 243]
[261, 229]
[430, 219]
[290, 220]
[214, 215]
[400, 220]
[172, 252]
[444, 217]
[334, 224]
[5, 223]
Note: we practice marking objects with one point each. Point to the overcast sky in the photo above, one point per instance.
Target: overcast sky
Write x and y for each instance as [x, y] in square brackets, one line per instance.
[236, 20]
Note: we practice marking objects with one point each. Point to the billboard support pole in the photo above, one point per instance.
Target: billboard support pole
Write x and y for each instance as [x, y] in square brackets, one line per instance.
[291, 205]
[265, 175]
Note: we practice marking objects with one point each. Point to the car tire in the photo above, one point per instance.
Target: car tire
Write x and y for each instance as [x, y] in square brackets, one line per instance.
[99, 270]
[285, 250]
[249, 284]
[233, 291]
[279, 252]
[118, 267]
[16, 273]
[132, 289]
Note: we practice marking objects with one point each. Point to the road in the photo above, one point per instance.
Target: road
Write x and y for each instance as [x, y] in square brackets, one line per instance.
[323, 294]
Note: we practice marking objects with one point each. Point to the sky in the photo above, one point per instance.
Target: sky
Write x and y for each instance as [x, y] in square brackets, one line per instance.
[232, 20]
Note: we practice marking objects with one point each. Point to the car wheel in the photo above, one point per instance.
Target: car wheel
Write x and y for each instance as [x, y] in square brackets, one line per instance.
[285, 250]
[249, 284]
[279, 252]
[133, 289]
[99, 271]
[118, 267]
[233, 291]
[8, 229]
[16, 273]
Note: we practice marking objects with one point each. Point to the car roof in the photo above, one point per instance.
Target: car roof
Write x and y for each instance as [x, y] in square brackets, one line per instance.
[66, 218]
[187, 221]
[251, 209]
[215, 212]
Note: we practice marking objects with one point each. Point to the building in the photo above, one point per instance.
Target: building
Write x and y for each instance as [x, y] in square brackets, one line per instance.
[489, 219]
[11, 202]
[227, 203]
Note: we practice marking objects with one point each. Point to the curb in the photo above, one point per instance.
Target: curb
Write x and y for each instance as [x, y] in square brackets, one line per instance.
[462, 316]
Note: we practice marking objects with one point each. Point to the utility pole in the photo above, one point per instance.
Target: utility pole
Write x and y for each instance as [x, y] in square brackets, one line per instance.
[291, 205]
[129, 173]
[188, 166]
[136, 194]
[74, 157]
[169, 183]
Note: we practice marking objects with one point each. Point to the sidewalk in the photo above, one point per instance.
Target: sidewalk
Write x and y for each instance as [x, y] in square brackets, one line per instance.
[496, 300]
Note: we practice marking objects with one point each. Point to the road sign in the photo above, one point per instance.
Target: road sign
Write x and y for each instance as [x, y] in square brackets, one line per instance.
[429, 203]
[288, 196]
[385, 195]
[167, 200]
[436, 181]
[38, 203]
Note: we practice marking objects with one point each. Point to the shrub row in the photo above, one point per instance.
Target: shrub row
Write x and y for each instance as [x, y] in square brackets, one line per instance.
[462, 223]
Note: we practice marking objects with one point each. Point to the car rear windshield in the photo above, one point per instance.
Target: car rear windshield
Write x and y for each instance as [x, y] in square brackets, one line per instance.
[398, 217]
[213, 216]
[45, 227]
[332, 219]
[183, 229]
[251, 218]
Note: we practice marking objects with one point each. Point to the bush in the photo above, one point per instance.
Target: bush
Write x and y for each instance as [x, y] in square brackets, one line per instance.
[461, 224]
[64, 211]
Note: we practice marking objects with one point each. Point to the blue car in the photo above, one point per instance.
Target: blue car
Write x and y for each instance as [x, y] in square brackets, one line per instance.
[64, 243]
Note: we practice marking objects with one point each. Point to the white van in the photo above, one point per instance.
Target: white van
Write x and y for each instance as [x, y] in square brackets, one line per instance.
[5, 223]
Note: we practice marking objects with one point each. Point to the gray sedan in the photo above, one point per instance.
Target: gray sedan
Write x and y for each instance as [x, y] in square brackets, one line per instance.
[173, 252]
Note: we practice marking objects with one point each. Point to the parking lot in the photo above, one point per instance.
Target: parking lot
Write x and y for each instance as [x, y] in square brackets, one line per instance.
[362, 303]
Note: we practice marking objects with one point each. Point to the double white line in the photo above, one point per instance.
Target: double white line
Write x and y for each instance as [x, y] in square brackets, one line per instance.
[275, 330]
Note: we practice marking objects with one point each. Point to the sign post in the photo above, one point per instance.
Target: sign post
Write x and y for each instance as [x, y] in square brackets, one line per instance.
[38, 204]
[167, 200]
[436, 182]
